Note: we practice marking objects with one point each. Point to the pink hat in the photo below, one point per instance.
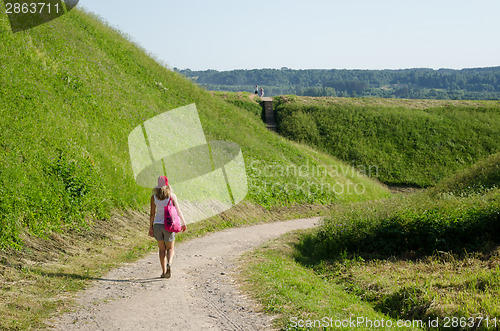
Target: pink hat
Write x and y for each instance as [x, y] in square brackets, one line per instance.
[162, 181]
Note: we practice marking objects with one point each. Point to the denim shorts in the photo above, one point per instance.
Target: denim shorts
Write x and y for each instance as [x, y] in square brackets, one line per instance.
[161, 234]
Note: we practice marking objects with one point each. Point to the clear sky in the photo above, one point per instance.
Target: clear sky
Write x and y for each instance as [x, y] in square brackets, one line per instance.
[310, 34]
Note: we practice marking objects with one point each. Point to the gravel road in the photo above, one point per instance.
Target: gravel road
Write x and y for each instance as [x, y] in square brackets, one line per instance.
[201, 295]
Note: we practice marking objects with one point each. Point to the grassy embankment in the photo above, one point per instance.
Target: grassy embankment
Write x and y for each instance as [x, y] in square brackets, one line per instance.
[243, 100]
[402, 142]
[70, 93]
[421, 257]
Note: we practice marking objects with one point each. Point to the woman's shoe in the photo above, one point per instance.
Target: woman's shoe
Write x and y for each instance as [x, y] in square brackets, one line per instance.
[168, 273]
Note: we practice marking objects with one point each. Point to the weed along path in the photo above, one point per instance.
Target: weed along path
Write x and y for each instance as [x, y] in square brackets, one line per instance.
[201, 294]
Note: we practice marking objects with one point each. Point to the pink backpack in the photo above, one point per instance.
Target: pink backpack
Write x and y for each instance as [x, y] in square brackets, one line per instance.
[171, 221]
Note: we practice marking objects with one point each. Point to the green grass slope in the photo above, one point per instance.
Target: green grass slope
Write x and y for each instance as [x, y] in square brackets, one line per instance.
[432, 254]
[70, 93]
[483, 175]
[245, 100]
[461, 214]
[408, 142]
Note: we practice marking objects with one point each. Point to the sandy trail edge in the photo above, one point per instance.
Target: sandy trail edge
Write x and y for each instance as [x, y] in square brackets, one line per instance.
[201, 295]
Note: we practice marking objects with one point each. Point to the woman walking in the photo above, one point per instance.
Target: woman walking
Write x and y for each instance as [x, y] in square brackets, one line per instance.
[162, 196]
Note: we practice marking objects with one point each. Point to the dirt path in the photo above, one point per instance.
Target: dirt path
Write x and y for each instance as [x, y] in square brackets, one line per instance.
[201, 295]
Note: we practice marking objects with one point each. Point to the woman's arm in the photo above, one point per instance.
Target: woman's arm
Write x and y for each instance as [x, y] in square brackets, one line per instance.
[152, 214]
[179, 212]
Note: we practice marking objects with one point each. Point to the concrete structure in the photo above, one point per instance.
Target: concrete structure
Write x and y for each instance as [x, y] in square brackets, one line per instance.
[269, 113]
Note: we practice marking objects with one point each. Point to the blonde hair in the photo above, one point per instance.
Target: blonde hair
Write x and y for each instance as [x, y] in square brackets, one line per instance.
[162, 193]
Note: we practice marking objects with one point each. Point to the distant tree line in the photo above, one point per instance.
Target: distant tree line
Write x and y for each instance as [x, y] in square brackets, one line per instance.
[476, 83]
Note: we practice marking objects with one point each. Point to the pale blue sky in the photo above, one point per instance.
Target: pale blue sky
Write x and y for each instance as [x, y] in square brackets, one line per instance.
[311, 34]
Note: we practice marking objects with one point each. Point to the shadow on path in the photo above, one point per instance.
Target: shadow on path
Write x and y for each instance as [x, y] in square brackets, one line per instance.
[83, 277]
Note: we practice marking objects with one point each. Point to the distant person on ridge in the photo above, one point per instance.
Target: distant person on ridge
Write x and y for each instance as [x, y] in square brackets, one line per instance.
[261, 92]
[162, 196]
[256, 89]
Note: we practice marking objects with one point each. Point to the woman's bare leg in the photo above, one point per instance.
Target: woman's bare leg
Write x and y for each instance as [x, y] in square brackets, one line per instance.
[169, 246]
[162, 255]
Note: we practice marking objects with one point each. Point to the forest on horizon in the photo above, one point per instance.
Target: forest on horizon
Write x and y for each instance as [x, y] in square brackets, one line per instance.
[418, 83]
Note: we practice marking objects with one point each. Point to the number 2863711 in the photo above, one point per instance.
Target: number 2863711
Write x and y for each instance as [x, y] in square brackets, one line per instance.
[32, 8]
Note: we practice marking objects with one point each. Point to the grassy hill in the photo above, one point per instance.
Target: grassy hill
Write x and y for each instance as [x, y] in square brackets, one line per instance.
[433, 254]
[70, 93]
[409, 142]
[244, 100]
[444, 241]
[482, 176]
